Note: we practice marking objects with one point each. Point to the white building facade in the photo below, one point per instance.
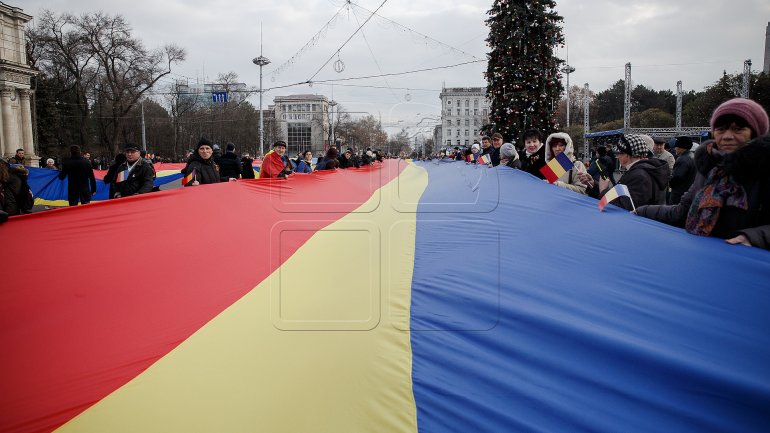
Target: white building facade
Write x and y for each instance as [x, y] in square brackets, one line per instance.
[464, 110]
[303, 121]
[15, 75]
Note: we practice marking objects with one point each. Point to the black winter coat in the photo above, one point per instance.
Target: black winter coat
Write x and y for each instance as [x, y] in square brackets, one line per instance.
[229, 166]
[682, 176]
[495, 155]
[80, 174]
[206, 170]
[644, 180]
[533, 163]
[247, 170]
[139, 179]
[7, 200]
[748, 165]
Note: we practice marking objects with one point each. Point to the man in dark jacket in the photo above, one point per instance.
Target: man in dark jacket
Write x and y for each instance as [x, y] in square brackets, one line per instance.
[79, 174]
[139, 177]
[247, 167]
[684, 169]
[644, 178]
[18, 158]
[229, 164]
[497, 143]
[346, 159]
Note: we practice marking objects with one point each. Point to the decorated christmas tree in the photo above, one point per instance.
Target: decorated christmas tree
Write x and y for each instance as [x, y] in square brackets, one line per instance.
[523, 79]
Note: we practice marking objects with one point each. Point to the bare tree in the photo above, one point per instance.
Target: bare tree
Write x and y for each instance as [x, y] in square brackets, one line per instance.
[126, 69]
[57, 48]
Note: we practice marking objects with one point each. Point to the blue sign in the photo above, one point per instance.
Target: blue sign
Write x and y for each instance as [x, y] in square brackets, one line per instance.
[218, 96]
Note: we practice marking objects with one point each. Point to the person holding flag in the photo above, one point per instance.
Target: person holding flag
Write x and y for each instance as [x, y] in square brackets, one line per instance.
[644, 178]
[131, 177]
[561, 165]
[201, 168]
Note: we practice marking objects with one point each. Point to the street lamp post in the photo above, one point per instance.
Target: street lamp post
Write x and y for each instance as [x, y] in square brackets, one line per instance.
[568, 70]
[332, 104]
[261, 61]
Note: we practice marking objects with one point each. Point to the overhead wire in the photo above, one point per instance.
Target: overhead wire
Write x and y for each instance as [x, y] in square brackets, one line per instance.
[363, 35]
[310, 43]
[348, 40]
[413, 31]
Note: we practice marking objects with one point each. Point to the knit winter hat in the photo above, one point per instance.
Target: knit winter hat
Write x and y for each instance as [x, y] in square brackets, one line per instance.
[683, 143]
[746, 109]
[202, 142]
[649, 140]
[230, 147]
[633, 145]
[507, 151]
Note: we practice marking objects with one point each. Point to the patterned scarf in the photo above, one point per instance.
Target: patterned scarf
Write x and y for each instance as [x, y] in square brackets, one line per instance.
[718, 191]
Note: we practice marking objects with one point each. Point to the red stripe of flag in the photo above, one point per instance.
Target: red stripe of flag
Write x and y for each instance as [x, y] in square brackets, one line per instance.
[70, 343]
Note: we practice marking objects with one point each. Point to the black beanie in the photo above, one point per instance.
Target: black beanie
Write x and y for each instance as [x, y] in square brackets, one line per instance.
[203, 142]
[683, 143]
[230, 147]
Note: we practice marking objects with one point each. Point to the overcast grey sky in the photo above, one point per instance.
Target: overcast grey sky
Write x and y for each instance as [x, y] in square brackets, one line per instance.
[665, 41]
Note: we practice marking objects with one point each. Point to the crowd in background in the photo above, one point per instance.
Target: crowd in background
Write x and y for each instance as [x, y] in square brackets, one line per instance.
[721, 189]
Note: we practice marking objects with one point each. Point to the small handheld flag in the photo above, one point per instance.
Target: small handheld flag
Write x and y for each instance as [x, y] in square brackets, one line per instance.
[556, 167]
[616, 191]
[485, 159]
[189, 177]
[121, 176]
[469, 157]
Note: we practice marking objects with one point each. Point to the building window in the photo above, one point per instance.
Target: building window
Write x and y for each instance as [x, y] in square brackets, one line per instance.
[299, 138]
[449, 142]
[476, 103]
[449, 102]
[467, 133]
[484, 113]
[475, 132]
[475, 122]
[467, 103]
[467, 122]
[458, 132]
[466, 143]
[458, 103]
[458, 142]
[475, 111]
[467, 112]
[458, 111]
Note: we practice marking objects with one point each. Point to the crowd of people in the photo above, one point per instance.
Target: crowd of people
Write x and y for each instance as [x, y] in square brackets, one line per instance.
[721, 190]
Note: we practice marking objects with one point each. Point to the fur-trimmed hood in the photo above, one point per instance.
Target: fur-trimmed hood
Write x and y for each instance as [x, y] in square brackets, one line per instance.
[569, 150]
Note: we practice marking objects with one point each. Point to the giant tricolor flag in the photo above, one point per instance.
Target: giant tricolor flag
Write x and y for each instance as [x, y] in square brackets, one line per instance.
[556, 167]
[172, 337]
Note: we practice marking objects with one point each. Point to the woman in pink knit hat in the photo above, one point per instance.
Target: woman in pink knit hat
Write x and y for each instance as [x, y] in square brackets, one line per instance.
[730, 197]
